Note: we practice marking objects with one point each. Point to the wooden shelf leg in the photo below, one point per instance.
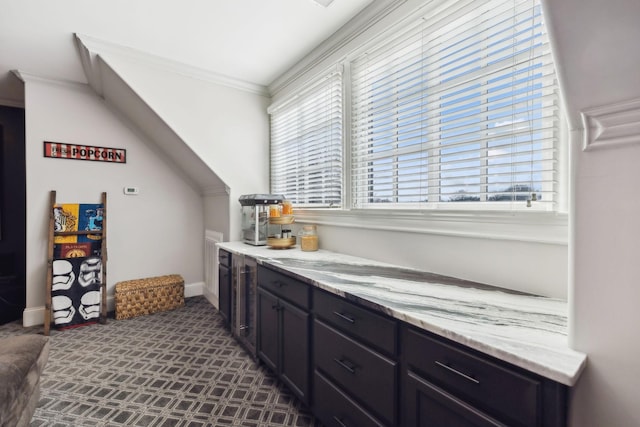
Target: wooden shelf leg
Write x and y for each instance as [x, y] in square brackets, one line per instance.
[103, 285]
[47, 303]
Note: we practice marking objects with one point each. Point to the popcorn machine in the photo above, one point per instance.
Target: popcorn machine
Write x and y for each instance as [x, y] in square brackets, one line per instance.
[255, 216]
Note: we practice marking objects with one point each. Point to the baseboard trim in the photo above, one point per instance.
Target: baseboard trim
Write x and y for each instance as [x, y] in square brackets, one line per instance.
[35, 316]
[193, 289]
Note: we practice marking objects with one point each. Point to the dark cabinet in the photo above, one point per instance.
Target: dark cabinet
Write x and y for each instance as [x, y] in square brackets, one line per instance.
[351, 365]
[335, 408]
[429, 406]
[446, 384]
[284, 329]
[224, 285]
[268, 329]
[357, 366]
[294, 355]
[375, 330]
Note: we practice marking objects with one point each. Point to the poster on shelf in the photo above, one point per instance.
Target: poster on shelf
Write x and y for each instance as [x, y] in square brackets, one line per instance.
[75, 291]
[78, 217]
[77, 250]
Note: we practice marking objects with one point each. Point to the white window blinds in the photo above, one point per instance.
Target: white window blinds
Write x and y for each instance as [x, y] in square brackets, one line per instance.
[306, 145]
[460, 106]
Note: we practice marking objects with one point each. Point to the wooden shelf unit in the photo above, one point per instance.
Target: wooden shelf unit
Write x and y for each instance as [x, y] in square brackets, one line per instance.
[50, 259]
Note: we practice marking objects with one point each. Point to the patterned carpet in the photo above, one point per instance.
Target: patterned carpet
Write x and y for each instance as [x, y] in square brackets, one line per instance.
[177, 368]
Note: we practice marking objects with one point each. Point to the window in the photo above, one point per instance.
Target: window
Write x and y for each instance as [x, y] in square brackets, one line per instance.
[306, 145]
[457, 109]
[461, 106]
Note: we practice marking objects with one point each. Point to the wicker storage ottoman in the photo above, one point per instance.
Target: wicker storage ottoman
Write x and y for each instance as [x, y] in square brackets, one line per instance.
[150, 295]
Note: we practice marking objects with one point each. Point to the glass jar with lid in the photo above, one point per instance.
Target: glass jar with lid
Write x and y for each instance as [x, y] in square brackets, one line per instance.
[309, 238]
[287, 208]
[274, 211]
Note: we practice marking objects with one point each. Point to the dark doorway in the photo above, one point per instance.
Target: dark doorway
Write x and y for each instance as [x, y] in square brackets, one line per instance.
[13, 202]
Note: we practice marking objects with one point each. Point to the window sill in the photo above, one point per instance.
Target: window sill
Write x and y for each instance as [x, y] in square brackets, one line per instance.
[537, 227]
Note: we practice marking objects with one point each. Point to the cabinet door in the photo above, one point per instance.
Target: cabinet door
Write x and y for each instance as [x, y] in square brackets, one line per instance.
[224, 292]
[294, 369]
[268, 326]
[429, 406]
[336, 409]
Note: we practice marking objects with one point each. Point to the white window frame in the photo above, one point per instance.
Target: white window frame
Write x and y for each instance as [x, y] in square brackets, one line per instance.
[464, 221]
[313, 109]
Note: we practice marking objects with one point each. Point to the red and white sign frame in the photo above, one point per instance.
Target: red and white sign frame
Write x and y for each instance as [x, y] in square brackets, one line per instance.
[61, 150]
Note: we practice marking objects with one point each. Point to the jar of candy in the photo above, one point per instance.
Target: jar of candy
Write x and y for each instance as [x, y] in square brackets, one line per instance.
[309, 238]
[287, 207]
[274, 211]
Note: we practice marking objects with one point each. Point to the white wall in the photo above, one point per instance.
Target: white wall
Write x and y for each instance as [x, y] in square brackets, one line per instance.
[606, 291]
[596, 46]
[226, 127]
[160, 231]
[216, 214]
[524, 266]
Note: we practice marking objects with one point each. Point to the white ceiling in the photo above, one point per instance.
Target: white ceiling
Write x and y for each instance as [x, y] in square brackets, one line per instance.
[250, 40]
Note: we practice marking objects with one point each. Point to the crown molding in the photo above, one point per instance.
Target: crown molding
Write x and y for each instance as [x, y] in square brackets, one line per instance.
[356, 27]
[29, 77]
[611, 125]
[215, 191]
[90, 48]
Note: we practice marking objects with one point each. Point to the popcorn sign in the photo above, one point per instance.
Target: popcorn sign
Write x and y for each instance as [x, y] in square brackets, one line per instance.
[84, 152]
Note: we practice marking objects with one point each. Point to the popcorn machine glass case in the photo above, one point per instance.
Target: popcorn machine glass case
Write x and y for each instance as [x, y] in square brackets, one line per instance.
[255, 216]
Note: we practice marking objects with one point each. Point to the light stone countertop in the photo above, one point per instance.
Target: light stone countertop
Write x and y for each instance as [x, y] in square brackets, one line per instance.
[525, 330]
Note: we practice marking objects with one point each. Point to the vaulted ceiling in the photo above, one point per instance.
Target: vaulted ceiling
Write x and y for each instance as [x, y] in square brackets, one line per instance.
[257, 40]
[250, 40]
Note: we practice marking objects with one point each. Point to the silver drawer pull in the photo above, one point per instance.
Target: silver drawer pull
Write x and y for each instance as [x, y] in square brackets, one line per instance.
[455, 371]
[345, 317]
[345, 365]
[339, 421]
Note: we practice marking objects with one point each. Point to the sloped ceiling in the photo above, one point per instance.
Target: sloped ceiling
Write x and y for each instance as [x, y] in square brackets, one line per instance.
[119, 94]
[250, 40]
[257, 40]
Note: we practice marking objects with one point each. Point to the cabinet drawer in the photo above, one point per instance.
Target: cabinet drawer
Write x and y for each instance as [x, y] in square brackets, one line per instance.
[336, 409]
[363, 373]
[285, 287]
[508, 395]
[373, 329]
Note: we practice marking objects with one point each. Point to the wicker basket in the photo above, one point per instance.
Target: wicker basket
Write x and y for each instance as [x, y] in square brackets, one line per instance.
[150, 295]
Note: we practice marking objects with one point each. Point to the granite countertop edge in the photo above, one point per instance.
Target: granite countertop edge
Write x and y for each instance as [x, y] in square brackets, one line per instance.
[553, 360]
